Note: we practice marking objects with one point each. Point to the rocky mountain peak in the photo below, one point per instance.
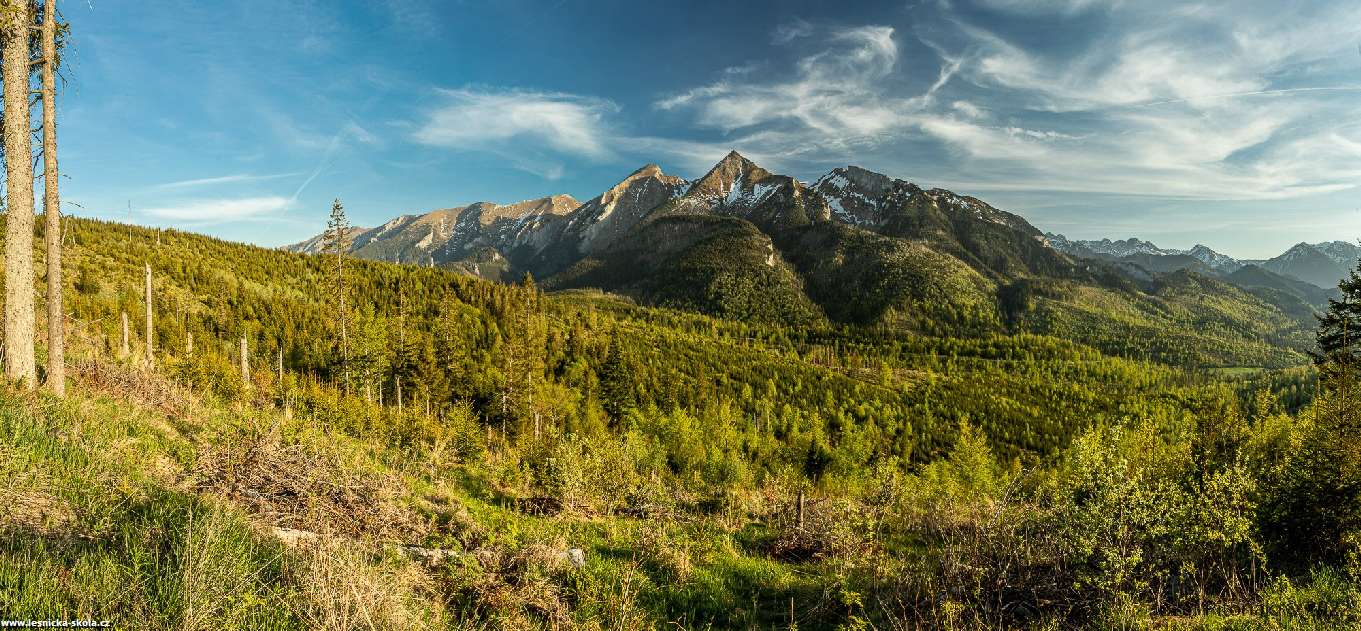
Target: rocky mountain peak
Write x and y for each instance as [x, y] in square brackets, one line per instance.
[649, 169]
[866, 179]
[854, 194]
[733, 172]
[489, 213]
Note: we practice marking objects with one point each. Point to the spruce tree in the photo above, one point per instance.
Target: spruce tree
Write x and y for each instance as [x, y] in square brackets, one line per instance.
[1339, 349]
[334, 245]
[616, 382]
[1339, 331]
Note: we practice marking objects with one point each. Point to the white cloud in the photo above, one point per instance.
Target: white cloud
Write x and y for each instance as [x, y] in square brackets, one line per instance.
[832, 92]
[412, 16]
[791, 30]
[489, 119]
[222, 179]
[205, 211]
[1049, 6]
[968, 109]
[353, 130]
[1199, 101]
[1176, 100]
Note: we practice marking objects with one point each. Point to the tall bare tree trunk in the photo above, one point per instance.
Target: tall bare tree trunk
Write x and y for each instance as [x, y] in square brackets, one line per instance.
[56, 313]
[150, 345]
[245, 362]
[124, 350]
[189, 344]
[14, 71]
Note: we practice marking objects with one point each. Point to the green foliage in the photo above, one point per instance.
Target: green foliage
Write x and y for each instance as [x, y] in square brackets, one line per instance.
[955, 471]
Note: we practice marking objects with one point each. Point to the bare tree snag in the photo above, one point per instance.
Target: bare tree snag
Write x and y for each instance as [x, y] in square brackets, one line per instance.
[245, 362]
[124, 350]
[56, 313]
[20, 363]
[150, 335]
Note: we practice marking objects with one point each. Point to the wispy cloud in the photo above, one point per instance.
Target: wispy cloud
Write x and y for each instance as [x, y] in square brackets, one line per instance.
[791, 30]
[832, 92]
[412, 16]
[349, 130]
[489, 119]
[1050, 6]
[222, 179]
[211, 211]
[1214, 104]
[1193, 101]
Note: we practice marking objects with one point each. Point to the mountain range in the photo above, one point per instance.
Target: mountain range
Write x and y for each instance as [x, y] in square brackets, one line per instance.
[861, 248]
[1320, 264]
[848, 245]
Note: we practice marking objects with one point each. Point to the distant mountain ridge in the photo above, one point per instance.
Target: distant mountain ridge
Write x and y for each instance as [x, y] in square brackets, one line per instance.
[859, 248]
[1135, 247]
[1320, 264]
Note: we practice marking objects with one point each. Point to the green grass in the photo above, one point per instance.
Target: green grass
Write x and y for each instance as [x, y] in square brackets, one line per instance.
[103, 522]
[97, 528]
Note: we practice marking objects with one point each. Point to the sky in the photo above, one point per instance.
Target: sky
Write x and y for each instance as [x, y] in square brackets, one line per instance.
[1233, 124]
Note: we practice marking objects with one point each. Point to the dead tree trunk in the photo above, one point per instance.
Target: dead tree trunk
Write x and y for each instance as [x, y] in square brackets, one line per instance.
[56, 313]
[124, 350]
[189, 344]
[20, 363]
[150, 335]
[245, 362]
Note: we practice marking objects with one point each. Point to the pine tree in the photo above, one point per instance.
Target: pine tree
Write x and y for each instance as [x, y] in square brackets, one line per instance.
[334, 245]
[16, 20]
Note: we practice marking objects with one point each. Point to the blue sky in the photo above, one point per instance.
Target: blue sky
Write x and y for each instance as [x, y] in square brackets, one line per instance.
[1234, 124]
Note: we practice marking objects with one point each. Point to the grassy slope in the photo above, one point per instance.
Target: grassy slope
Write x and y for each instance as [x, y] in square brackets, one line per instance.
[113, 513]
[118, 506]
[124, 508]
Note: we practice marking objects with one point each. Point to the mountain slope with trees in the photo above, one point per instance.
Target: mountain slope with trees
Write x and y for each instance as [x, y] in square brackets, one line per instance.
[854, 248]
[471, 453]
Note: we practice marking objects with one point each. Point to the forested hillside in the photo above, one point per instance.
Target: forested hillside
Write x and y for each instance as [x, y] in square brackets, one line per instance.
[856, 249]
[448, 450]
[583, 358]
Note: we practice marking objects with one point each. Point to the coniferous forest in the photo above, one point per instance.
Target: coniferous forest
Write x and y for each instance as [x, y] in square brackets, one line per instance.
[486, 454]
